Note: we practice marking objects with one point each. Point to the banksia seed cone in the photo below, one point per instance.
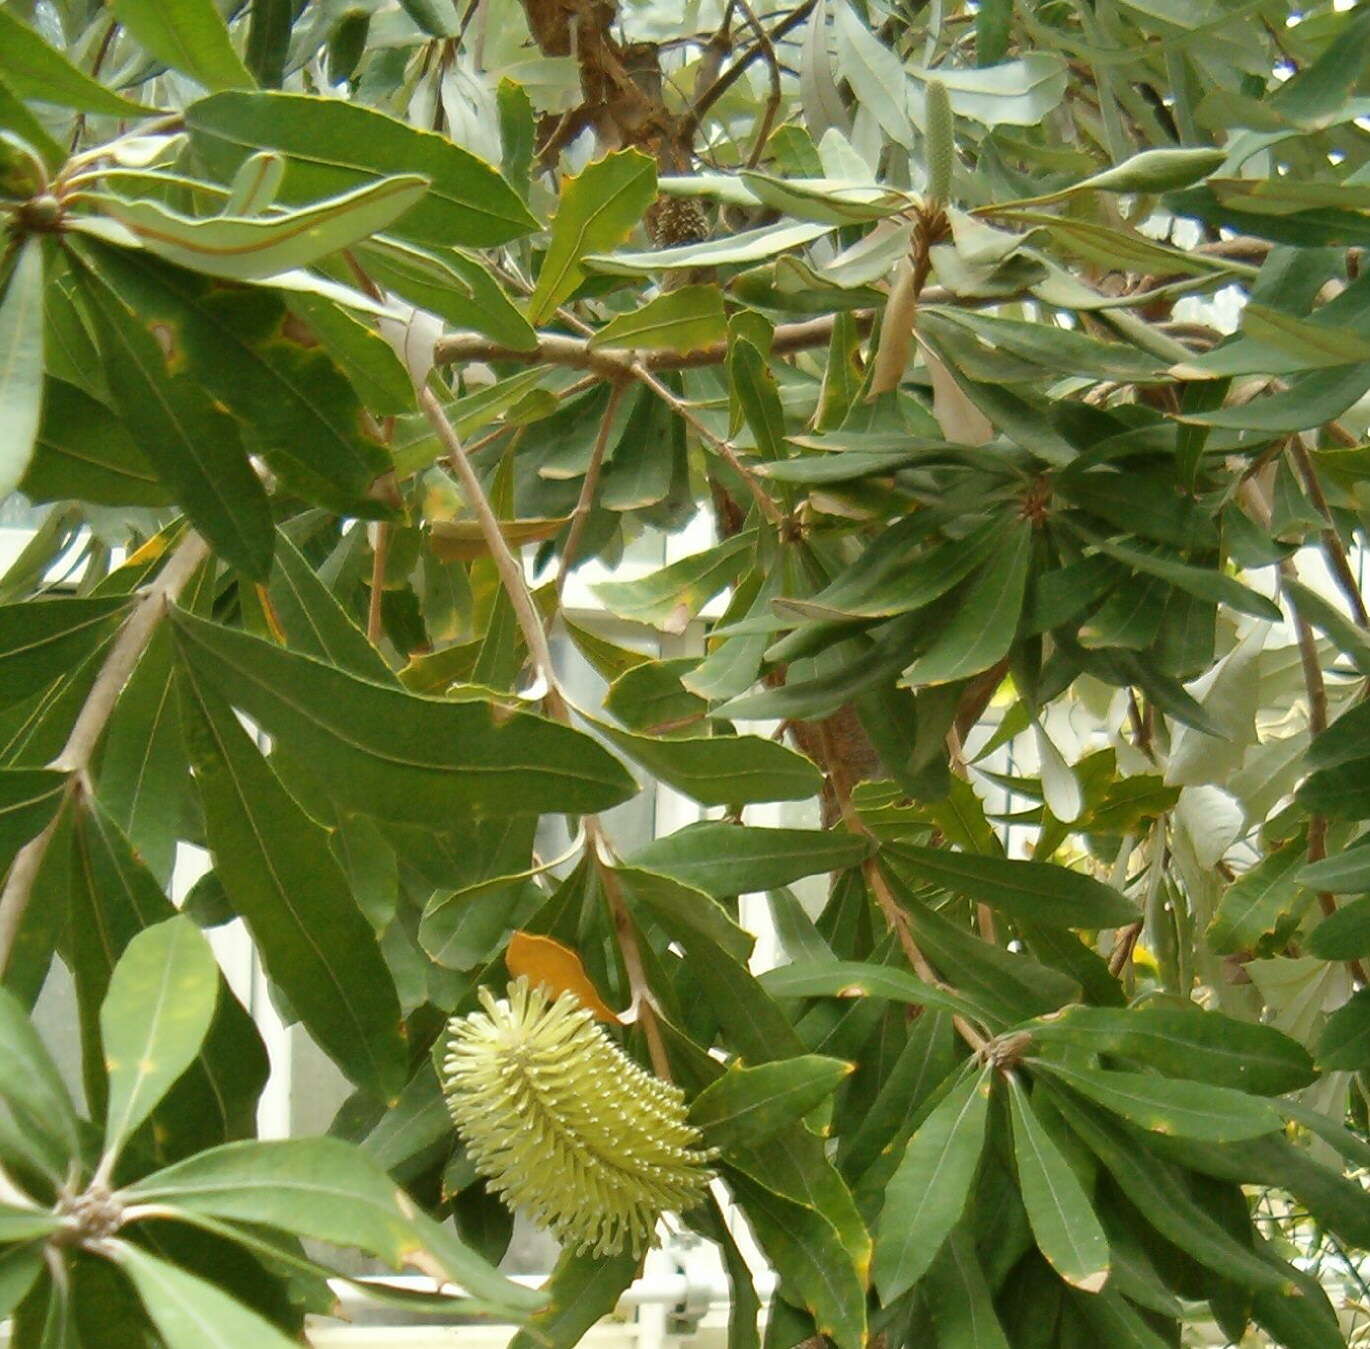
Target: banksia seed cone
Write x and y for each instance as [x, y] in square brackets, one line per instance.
[565, 1126]
[940, 142]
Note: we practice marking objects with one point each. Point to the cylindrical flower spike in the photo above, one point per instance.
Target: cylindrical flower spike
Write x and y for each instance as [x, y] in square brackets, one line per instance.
[565, 1126]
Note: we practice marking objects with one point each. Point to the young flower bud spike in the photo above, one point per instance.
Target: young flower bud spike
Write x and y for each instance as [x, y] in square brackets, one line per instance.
[565, 1126]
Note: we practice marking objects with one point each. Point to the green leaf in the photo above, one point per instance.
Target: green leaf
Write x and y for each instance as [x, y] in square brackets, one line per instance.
[155, 1017]
[1328, 619]
[374, 370]
[1206, 584]
[749, 1105]
[853, 979]
[671, 596]
[749, 246]
[248, 248]
[959, 1298]
[32, 1087]
[395, 755]
[1150, 171]
[1154, 1188]
[1140, 505]
[281, 876]
[191, 442]
[1311, 401]
[731, 859]
[596, 210]
[807, 1251]
[83, 452]
[1038, 891]
[582, 1291]
[188, 1312]
[332, 146]
[34, 70]
[20, 1267]
[1186, 1042]
[674, 903]
[239, 344]
[1062, 1217]
[315, 623]
[721, 770]
[1345, 1040]
[679, 320]
[928, 1192]
[21, 363]
[40, 640]
[1256, 904]
[982, 628]
[1170, 1105]
[188, 36]
[324, 1189]
[1312, 345]
[29, 798]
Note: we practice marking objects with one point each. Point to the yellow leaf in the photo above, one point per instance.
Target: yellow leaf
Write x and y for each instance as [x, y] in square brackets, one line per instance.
[545, 961]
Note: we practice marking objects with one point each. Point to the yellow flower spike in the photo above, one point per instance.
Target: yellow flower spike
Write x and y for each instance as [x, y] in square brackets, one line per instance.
[565, 1126]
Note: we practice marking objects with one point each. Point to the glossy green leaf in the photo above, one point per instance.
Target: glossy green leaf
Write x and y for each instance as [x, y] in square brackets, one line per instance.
[189, 36]
[1345, 1039]
[154, 1019]
[281, 876]
[41, 640]
[596, 210]
[1172, 1106]
[721, 770]
[927, 1194]
[395, 755]
[1063, 1220]
[807, 1251]
[1186, 1042]
[332, 146]
[1256, 904]
[29, 798]
[748, 1105]
[749, 246]
[32, 1087]
[853, 979]
[1161, 1197]
[248, 248]
[368, 360]
[189, 1312]
[675, 903]
[34, 70]
[729, 859]
[324, 1189]
[21, 363]
[982, 628]
[670, 597]
[315, 623]
[83, 452]
[1037, 891]
[679, 320]
[958, 1296]
[582, 1290]
[191, 442]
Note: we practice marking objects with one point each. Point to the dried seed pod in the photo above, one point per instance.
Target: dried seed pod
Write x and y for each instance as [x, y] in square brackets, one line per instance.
[565, 1126]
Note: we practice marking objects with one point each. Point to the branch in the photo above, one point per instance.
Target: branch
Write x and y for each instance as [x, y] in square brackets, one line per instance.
[767, 49]
[76, 754]
[585, 502]
[530, 624]
[734, 72]
[558, 349]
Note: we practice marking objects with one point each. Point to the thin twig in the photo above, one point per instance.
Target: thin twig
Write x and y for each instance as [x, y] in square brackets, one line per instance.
[643, 1002]
[767, 49]
[506, 564]
[734, 72]
[1332, 548]
[516, 589]
[585, 502]
[380, 552]
[76, 755]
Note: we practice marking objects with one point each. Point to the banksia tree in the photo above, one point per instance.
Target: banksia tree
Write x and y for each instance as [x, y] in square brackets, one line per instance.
[565, 1126]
